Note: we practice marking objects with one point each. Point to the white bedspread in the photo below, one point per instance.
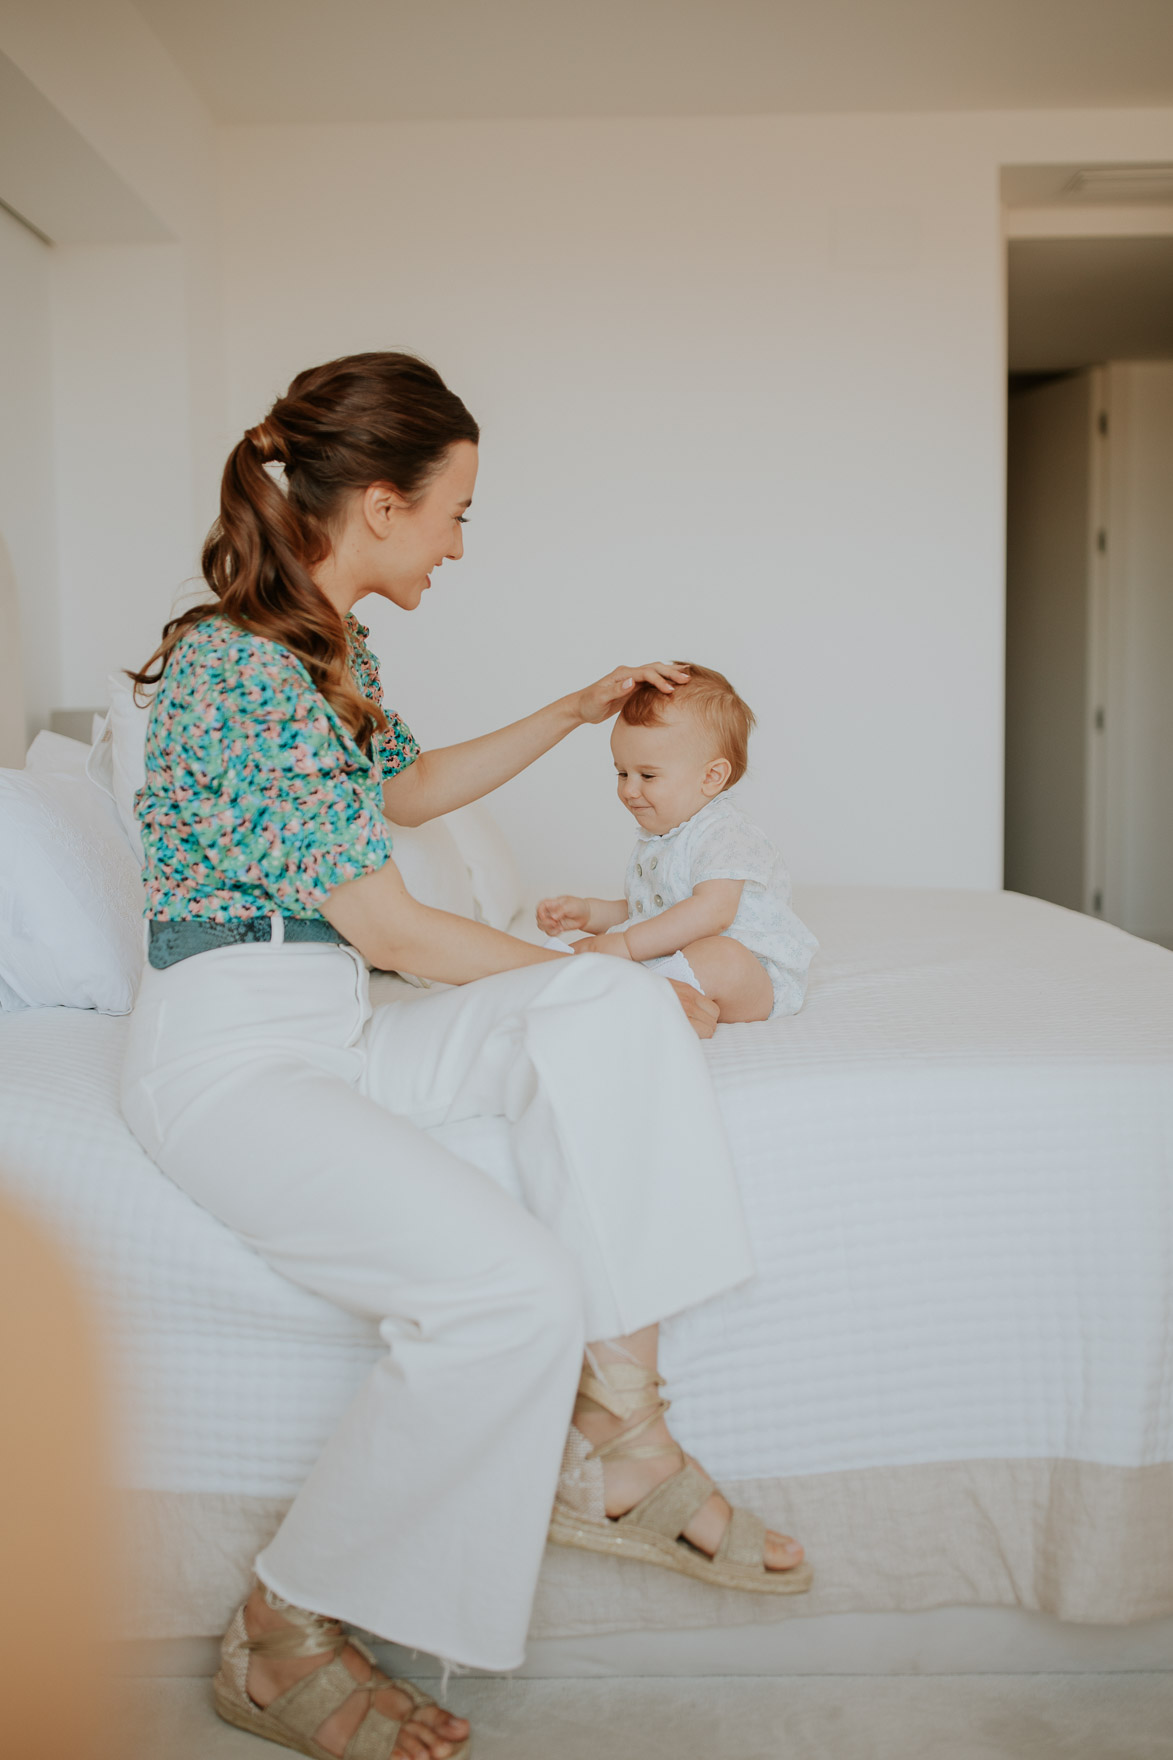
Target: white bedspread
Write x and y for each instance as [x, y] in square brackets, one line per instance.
[958, 1168]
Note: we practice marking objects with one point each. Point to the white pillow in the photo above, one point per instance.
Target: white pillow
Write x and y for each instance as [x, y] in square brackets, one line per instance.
[53, 751]
[434, 872]
[117, 762]
[9, 1000]
[70, 895]
[433, 869]
[496, 881]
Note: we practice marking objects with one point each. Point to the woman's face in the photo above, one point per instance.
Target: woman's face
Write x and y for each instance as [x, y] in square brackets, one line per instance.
[399, 543]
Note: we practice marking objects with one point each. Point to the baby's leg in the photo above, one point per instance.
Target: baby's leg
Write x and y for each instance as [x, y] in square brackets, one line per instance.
[729, 973]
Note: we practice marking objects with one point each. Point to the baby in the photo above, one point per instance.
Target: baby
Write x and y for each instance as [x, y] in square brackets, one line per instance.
[708, 899]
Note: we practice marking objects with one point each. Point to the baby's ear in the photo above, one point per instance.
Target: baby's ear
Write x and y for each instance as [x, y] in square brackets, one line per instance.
[716, 777]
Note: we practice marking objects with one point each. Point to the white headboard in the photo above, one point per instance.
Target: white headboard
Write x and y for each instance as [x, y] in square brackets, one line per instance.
[12, 727]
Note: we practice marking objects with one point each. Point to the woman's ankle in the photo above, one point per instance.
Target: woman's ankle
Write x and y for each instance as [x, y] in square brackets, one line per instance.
[601, 1427]
[259, 1613]
[627, 1482]
[270, 1674]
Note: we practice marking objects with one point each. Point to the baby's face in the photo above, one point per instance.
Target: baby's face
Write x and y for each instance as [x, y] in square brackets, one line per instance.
[667, 772]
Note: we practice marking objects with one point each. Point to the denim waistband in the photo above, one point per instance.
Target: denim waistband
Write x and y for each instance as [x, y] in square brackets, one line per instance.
[168, 943]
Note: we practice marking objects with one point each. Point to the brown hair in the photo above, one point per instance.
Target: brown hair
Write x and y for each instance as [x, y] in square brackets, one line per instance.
[712, 699]
[367, 418]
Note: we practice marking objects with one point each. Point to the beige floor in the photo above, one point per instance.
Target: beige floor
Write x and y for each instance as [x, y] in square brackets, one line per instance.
[850, 1717]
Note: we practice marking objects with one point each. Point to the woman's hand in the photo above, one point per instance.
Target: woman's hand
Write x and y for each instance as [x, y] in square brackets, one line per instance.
[441, 780]
[564, 912]
[701, 1011]
[598, 702]
[612, 944]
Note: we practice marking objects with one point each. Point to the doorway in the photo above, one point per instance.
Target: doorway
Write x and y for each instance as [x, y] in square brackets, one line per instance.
[1089, 610]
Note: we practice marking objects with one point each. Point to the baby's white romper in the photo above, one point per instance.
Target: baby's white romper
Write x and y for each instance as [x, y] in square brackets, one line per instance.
[720, 843]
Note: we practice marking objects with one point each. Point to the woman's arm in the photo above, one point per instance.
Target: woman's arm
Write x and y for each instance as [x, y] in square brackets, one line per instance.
[449, 777]
[396, 933]
[378, 915]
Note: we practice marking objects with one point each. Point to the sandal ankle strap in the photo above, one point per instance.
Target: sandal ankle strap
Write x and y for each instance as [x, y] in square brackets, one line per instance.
[617, 1386]
[622, 1390]
[304, 1634]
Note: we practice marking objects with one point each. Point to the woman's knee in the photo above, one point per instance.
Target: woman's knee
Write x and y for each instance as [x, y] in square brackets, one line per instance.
[622, 981]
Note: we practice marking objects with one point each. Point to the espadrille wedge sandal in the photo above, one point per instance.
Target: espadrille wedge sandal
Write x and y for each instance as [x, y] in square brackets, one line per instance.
[653, 1532]
[293, 1718]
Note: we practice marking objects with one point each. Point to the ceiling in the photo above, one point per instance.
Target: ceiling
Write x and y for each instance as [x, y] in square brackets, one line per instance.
[1077, 301]
[54, 182]
[296, 61]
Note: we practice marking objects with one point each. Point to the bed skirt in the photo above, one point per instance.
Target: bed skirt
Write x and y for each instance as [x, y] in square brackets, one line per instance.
[1081, 1541]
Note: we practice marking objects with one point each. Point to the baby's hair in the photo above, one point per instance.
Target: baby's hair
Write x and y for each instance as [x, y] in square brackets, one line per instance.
[708, 695]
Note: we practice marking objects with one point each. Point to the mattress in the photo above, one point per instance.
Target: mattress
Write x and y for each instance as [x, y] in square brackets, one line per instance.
[957, 1167]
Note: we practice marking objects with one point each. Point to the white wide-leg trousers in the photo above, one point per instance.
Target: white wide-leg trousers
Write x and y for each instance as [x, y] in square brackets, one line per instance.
[259, 1080]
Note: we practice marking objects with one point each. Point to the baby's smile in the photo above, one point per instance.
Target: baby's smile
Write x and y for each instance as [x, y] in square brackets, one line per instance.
[660, 770]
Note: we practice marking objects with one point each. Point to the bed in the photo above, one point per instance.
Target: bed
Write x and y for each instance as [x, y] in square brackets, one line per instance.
[953, 1375]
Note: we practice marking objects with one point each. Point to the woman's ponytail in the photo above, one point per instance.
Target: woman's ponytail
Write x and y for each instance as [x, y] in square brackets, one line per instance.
[340, 427]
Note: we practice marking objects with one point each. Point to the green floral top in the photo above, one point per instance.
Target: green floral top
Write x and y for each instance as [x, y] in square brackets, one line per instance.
[256, 798]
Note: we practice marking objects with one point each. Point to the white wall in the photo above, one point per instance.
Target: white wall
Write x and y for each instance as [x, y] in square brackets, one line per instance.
[137, 352]
[742, 391]
[26, 462]
[127, 525]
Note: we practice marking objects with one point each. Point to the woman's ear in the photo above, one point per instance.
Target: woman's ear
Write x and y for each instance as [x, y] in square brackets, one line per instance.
[381, 506]
[716, 776]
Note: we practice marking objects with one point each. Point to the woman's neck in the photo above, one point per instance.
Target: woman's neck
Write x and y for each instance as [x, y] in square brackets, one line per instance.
[337, 584]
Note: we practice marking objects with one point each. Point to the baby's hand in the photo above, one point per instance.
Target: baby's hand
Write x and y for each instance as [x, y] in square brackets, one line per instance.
[613, 944]
[565, 912]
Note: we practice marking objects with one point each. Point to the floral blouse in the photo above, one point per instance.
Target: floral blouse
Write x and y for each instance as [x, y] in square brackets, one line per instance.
[256, 797]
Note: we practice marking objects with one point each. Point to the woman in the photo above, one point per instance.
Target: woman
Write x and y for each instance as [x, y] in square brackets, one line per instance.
[260, 1080]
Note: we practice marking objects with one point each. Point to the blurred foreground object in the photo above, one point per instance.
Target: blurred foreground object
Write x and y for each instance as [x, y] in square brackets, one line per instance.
[55, 1513]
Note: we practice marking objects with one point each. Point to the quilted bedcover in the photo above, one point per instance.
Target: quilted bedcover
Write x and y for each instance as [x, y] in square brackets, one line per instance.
[953, 1373]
